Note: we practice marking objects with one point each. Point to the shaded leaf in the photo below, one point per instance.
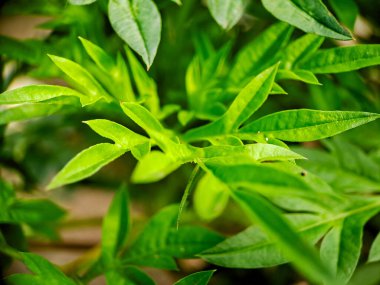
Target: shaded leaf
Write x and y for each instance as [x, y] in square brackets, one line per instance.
[197, 278]
[374, 253]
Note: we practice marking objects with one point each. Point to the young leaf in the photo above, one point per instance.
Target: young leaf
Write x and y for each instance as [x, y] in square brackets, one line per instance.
[374, 253]
[84, 80]
[210, 197]
[36, 93]
[115, 227]
[86, 163]
[197, 278]
[342, 59]
[45, 273]
[116, 132]
[153, 167]
[138, 23]
[245, 104]
[226, 12]
[260, 54]
[292, 245]
[306, 125]
[311, 16]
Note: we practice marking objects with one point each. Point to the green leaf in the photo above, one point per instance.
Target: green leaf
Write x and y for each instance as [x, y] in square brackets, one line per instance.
[153, 167]
[36, 211]
[86, 163]
[82, 78]
[292, 245]
[99, 56]
[342, 59]
[374, 253]
[310, 16]
[25, 51]
[138, 23]
[115, 227]
[45, 273]
[30, 111]
[36, 93]
[145, 85]
[245, 104]
[160, 241]
[306, 125]
[118, 133]
[210, 197]
[252, 248]
[346, 10]
[258, 151]
[270, 181]
[197, 278]
[340, 249]
[260, 54]
[129, 275]
[226, 12]
[300, 75]
[300, 49]
[81, 2]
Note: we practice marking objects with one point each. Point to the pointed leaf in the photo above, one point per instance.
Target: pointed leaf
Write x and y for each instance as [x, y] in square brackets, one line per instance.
[306, 125]
[116, 132]
[374, 253]
[198, 278]
[226, 12]
[311, 16]
[138, 23]
[86, 163]
[342, 59]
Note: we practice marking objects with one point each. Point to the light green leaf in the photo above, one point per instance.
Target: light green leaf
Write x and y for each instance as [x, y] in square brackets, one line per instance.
[300, 49]
[226, 12]
[311, 16]
[138, 23]
[258, 151]
[210, 197]
[30, 111]
[36, 93]
[83, 79]
[86, 163]
[99, 56]
[45, 273]
[153, 167]
[342, 59]
[160, 241]
[252, 248]
[374, 253]
[292, 245]
[118, 133]
[346, 11]
[260, 54]
[245, 104]
[81, 2]
[197, 278]
[115, 227]
[300, 75]
[306, 125]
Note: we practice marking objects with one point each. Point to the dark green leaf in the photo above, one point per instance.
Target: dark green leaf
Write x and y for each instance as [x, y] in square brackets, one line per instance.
[198, 278]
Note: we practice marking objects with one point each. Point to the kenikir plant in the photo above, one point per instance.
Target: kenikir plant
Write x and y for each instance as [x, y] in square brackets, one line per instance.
[238, 125]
